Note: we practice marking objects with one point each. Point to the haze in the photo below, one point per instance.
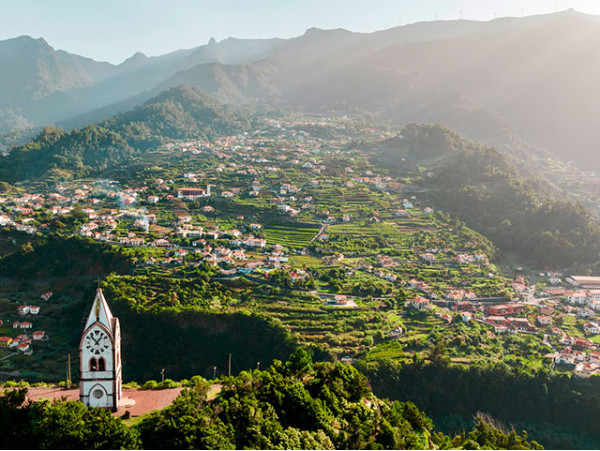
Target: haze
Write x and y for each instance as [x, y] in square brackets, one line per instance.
[114, 30]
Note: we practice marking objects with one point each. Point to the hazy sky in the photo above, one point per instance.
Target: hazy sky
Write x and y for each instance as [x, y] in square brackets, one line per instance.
[112, 30]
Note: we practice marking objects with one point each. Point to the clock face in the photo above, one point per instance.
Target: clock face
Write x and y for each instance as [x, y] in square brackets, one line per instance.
[97, 342]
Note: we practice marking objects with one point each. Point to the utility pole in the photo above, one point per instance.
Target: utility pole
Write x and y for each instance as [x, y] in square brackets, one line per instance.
[229, 372]
[68, 370]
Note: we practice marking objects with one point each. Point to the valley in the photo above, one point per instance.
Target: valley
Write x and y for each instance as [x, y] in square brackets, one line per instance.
[301, 237]
[293, 233]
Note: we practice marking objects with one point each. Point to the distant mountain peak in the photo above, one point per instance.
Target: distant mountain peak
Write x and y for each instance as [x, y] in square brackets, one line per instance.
[137, 56]
[135, 60]
[313, 31]
[212, 41]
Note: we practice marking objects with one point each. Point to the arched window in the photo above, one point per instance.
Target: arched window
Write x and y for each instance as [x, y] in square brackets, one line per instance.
[93, 364]
[101, 364]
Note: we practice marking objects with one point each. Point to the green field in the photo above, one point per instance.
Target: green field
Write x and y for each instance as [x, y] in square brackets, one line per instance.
[294, 235]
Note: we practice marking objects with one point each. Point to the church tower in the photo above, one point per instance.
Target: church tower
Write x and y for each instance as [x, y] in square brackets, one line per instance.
[100, 357]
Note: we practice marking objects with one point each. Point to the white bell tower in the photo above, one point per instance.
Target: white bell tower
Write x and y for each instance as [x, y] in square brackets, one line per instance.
[100, 357]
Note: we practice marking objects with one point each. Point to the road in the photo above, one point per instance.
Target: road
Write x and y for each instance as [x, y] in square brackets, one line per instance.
[321, 231]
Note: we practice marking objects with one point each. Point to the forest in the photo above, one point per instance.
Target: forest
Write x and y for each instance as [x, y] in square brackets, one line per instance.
[298, 404]
[481, 186]
[178, 113]
[560, 411]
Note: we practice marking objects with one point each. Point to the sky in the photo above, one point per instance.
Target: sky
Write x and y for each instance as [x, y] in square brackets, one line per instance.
[113, 30]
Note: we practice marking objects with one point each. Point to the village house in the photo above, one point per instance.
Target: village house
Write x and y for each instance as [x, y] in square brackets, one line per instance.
[418, 303]
[428, 257]
[592, 328]
[466, 316]
[40, 335]
[544, 320]
[504, 309]
[586, 369]
[585, 313]
[297, 275]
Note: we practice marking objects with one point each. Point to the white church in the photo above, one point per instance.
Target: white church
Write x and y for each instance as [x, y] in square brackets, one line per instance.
[100, 357]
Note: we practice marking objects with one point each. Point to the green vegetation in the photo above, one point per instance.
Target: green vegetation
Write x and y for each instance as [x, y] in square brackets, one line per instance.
[178, 113]
[483, 190]
[294, 405]
[543, 400]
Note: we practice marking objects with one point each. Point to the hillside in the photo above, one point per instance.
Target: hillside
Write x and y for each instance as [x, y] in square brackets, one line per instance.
[482, 187]
[179, 113]
[482, 78]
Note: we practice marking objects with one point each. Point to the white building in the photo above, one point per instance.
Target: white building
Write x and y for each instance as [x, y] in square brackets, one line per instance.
[100, 357]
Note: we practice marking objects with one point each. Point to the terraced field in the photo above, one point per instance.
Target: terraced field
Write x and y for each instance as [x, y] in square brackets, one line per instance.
[342, 331]
[294, 235]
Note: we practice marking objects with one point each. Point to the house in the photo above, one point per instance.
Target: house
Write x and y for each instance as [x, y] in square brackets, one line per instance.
[428, 257]
[505, 309]
[586, 369]
[521, 324]
[583, 343]
[396, 332]
[338, 299]
[26, 325]
[193, 193]
[23, 310]
[544, 320]
[40, 335]
[546, 310]
[297, 275]
[34, 309]
[161, 242]
[585, 313]
[136, 241]
[578, 297]
[418, 303]
[208, 209]
[23, 347]
[565, 357]
[16, 325]
[466, 316]
[390, 277]
[496, 320]
[592, 328]
[5, 341]
[46, 296]
[153, 199]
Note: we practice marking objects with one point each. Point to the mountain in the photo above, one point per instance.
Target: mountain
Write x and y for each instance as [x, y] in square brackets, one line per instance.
[179, 113]
[533, 77]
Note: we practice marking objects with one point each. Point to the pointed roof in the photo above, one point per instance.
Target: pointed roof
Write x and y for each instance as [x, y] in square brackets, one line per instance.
[100, 312]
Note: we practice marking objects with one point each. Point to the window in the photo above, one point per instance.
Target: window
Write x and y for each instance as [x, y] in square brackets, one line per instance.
[98, 393]
[101, 364]
[93, 364]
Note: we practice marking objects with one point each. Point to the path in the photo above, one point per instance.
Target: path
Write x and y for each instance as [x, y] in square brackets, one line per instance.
[145, 400]
[321, 230]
